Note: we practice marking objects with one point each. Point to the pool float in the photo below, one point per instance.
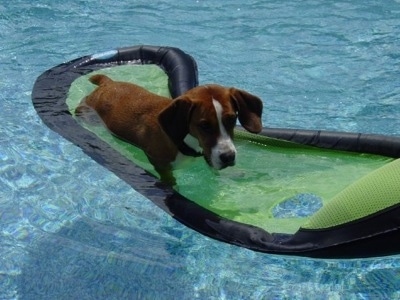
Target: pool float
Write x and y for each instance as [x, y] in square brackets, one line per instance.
[294, 192]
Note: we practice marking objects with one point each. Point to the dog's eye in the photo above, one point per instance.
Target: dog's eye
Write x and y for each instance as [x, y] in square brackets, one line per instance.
[230, 120]
[205, 126]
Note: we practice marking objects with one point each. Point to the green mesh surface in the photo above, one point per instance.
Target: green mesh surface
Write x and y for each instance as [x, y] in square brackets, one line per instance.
[270, 185]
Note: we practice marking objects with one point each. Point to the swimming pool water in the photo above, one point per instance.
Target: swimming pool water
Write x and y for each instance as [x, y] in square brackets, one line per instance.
[71, 230]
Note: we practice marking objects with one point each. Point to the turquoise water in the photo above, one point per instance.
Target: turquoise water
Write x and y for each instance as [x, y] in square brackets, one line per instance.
[69, 229]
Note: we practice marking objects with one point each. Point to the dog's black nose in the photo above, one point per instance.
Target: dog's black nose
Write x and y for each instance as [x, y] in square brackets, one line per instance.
[228, 158]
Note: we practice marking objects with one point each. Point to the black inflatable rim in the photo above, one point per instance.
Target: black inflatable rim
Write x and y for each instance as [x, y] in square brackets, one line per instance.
[365, 238]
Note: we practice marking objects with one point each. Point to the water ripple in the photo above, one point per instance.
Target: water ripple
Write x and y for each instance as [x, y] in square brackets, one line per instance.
[69, 228]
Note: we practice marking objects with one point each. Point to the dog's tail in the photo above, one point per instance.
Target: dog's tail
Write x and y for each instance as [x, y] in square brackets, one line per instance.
[99, 79]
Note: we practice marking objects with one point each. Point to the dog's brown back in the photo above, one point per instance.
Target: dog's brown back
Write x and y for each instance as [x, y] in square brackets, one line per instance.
[131, 113]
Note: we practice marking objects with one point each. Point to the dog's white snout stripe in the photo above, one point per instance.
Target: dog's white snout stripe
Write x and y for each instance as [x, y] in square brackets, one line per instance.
[224, 143]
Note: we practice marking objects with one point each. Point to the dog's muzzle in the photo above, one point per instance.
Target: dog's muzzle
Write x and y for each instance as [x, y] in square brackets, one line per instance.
[227, 159]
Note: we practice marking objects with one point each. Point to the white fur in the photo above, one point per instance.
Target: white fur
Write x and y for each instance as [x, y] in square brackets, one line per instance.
[224, 142]
[193, 143]
[181, 159]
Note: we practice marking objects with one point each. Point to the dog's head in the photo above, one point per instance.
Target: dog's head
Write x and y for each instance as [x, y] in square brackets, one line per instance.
[209, 114]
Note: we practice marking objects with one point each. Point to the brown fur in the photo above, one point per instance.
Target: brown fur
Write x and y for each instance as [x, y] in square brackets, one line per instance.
[158, 124]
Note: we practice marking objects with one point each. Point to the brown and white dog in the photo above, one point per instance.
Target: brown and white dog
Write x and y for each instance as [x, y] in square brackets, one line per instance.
[200, 122]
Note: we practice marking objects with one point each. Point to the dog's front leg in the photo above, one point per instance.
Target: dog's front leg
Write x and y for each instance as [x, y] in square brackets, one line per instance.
[164, 170]
[167, 177]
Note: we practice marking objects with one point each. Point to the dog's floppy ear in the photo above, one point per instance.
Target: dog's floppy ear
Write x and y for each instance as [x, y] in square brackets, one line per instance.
[249, 108]
[174, 119]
